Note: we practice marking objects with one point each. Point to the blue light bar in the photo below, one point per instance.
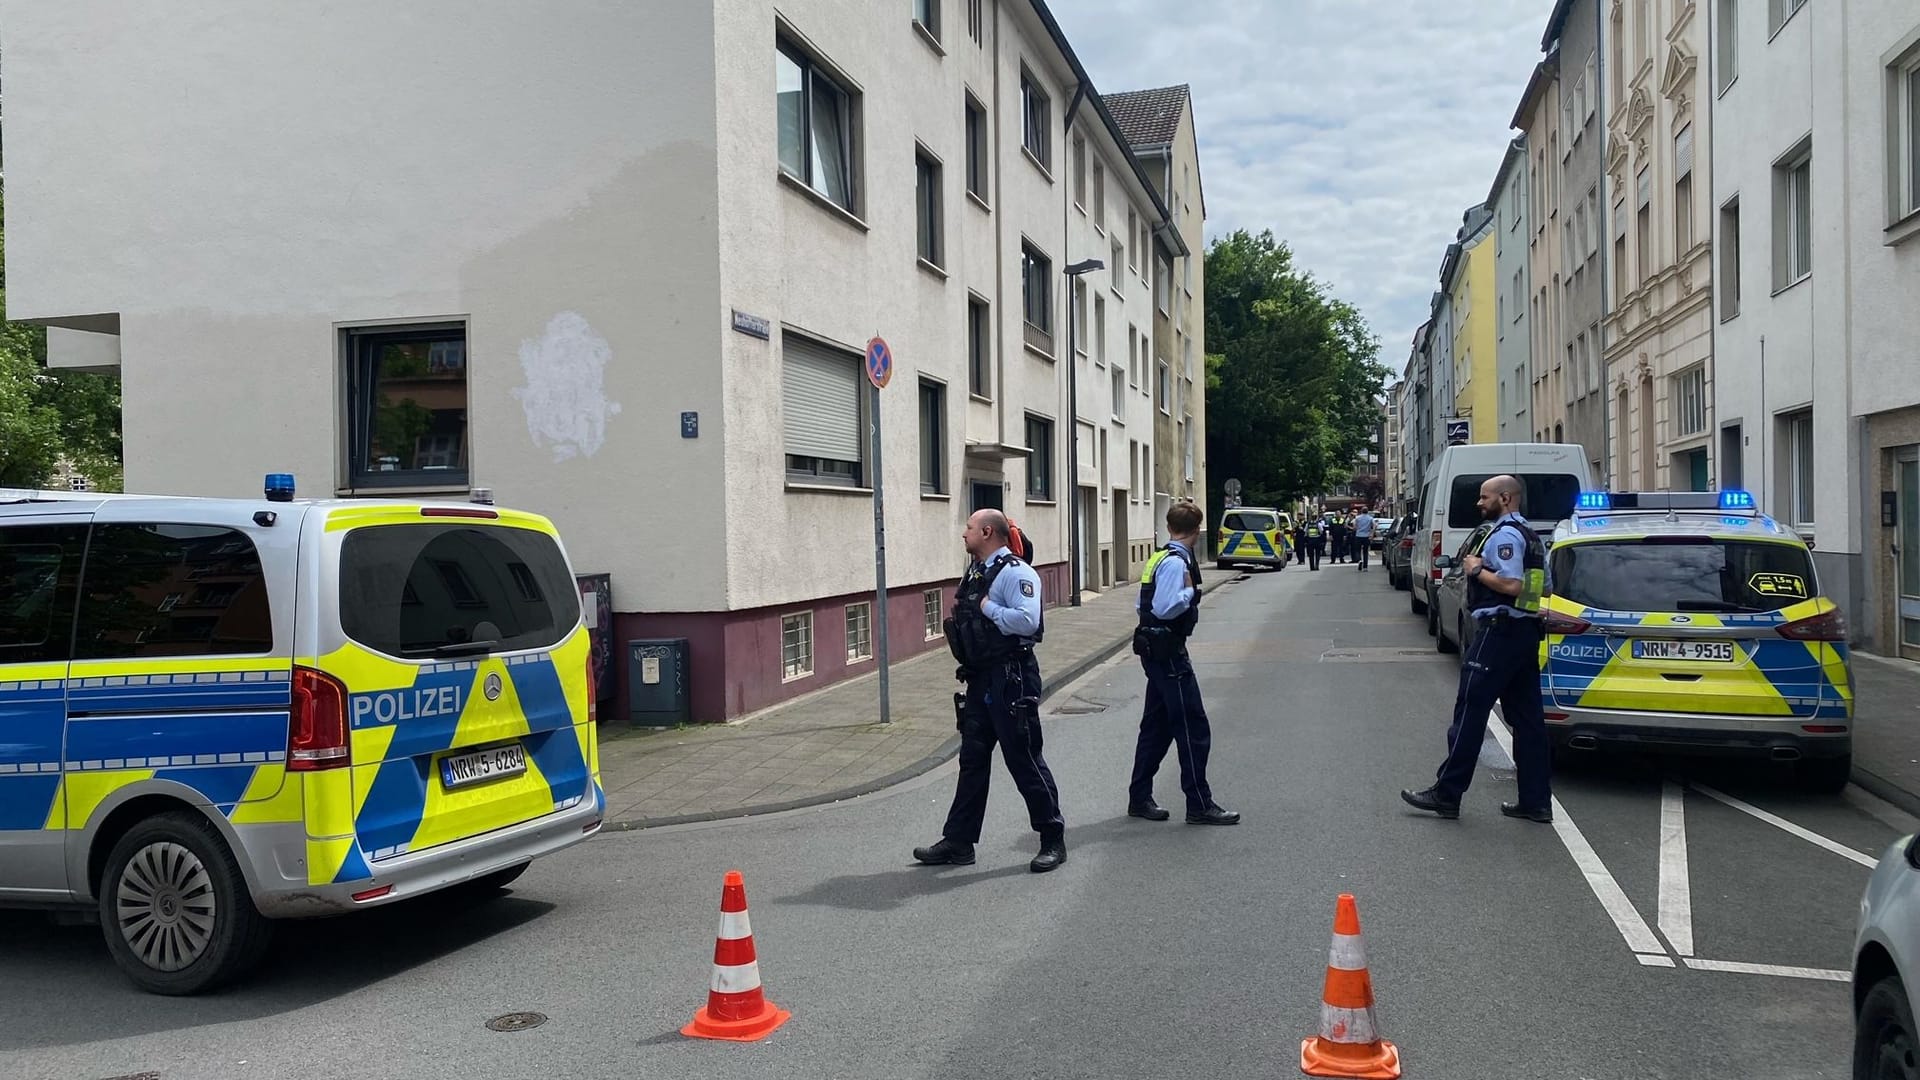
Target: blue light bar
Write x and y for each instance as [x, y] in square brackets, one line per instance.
[279, 487]
[1735, 499]
[1594, 500]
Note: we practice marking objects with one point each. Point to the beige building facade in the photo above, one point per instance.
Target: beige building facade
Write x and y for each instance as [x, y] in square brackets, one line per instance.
[1539, 116]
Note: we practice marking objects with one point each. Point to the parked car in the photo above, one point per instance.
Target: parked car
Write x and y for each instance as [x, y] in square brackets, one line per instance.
[1553, 475]
[1398, 552]
[1884, 950]
[1451, 626]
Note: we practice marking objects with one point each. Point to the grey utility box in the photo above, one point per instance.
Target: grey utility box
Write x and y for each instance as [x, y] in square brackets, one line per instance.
[657, 682]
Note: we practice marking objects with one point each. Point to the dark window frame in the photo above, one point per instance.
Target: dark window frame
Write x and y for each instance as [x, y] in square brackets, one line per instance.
[932, 403]
[1036, 288]
[979, 150]
[979, 347]
[360, 348]
[1040, 462]
[929, 207]
[813, 69]
[1036, 120]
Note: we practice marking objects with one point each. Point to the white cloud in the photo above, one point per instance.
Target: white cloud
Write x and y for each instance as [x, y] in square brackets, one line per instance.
[1358, 131]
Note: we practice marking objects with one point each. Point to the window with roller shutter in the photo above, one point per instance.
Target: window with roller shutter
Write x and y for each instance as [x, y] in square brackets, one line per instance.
[821, 405]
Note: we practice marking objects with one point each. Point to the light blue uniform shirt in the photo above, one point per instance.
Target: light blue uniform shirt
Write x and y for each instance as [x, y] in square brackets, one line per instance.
[1172, 596]
[1014, 601]
[1363, 526]
[1505, 553]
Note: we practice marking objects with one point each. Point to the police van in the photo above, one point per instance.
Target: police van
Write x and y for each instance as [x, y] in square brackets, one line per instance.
[215, 713]
[1690, 622]
[1256, 535]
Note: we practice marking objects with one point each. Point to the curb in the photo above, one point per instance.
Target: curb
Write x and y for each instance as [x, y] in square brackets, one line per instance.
[1886, 791]
[867, 787]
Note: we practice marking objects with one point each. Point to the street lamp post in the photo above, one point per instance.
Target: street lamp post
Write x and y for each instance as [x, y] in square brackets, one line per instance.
[1073, 420]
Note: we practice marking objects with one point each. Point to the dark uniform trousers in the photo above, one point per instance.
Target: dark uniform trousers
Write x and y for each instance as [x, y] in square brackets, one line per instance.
[1503, 665]
[1316, 546]
[1003, 706]
[1174, 716]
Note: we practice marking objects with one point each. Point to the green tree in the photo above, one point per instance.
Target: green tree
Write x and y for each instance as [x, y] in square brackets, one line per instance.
[1292, 392]
[50, 415]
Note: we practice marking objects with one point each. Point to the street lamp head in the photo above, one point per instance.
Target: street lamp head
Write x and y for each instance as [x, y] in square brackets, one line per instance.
[1084, 266]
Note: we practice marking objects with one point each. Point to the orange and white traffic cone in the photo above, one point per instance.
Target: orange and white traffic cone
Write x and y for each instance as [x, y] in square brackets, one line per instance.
[736, 1010]
[1348, 1045]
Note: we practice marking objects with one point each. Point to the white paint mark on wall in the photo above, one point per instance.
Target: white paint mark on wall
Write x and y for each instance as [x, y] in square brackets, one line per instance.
[565, 397]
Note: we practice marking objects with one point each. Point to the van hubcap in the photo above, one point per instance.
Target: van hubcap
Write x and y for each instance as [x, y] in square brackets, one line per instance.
[165, 906]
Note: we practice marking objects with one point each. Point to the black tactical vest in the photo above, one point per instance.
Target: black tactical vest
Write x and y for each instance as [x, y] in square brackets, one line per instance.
[975, 640]
[1182, 625]
[1480, 597]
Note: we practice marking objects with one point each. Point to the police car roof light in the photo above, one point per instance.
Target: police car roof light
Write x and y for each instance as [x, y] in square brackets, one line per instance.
[1735, 499]
[279, 487]
[1595, 500]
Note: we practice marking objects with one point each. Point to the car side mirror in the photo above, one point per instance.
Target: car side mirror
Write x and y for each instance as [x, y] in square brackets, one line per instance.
[1443, 562]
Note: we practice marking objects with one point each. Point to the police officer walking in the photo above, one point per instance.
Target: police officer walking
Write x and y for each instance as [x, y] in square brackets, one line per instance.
[1505, 583]
[992, 630]
[1363, 537]
[1316, 541]
[1337, 530]
[1168, 607]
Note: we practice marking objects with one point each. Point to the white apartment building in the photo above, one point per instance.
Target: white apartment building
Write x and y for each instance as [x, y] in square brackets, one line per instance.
[617, 263]
[1816, 189]
[1659, 325]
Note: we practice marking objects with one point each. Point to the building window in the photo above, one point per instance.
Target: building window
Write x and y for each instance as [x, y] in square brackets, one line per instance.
[1683, 191]
[1518, 296]
[1099, 196]
[1119, 396]
[1797, 439]
[1080, 172]
[1162, 284]
[1116, 257]
[979, 349]
[1730, 259]
[1727, 45]
[1793, 218]
[1690, 401]
[76, 482]
[1040, 462]
[816, 126]
[821, 402]
[1100, 330]
[1903, 112]
[859, 632]
[932, 614]
[1188, 428]
[1643, 226]
[1133, 356]
[407, 406]
[796, 646]
[927, 207]
[933, 438]
[1036, 121]
[1620, 286]
[1133, 239]
[1779, 11]
[976, 148]
[1079, 295]
[977, 21]
[927, 14]
[1036, 291]
[1166, 387]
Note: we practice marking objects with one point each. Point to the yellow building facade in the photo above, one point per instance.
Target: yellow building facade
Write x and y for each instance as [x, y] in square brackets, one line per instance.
[1476, 307]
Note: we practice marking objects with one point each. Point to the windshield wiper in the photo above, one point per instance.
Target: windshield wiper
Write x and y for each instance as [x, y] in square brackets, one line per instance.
[454, 648]
[1716, 605]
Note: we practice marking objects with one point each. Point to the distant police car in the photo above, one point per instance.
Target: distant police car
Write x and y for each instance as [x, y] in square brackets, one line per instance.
[1256, 535]
[1691, 622]
[215, 711]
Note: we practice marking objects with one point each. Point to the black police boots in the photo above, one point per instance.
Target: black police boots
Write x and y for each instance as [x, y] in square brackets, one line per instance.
[1213, 814]
[1543, 815]
[1149, 809]
[1053, 852]
[1431, 801]
[945, 853]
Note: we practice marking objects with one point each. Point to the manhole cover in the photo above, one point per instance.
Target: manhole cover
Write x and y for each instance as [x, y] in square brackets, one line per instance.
[519, 1021]
[1076, 706]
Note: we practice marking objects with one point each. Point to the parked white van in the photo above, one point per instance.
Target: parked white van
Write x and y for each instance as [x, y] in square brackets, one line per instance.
[1554, 475]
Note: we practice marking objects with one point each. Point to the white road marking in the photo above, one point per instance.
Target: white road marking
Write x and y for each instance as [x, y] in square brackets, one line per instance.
[1654, 961]
[1626, 918]
[1676, 894]
[1783, 824]
[1778, 970]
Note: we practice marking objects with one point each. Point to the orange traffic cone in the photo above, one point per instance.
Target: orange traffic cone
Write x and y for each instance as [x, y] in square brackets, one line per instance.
[736, 1009]
[1348, 1044]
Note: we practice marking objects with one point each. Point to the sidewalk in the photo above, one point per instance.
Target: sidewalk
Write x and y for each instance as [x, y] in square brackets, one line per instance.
[1886, 729]
[829, 745]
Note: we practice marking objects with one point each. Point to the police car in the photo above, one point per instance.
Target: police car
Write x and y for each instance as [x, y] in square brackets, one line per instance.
[1254, 535]
[218, 712]
[1691, 622]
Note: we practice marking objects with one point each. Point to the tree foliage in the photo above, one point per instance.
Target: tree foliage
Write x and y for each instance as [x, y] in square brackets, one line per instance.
[1293, 389]
[47, 416]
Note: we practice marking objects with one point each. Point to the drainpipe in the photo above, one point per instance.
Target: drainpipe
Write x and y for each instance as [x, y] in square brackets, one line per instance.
[999, 259]
[1606, 286]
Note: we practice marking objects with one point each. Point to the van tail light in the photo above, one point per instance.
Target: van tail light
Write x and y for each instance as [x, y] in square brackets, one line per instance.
[593, 691]
[1829, 626]
[1554, 622]
[1406, 543]
[1436, 574]
[317, 734]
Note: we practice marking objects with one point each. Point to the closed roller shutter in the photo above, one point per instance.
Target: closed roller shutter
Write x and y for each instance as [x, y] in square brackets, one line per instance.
[822, 400]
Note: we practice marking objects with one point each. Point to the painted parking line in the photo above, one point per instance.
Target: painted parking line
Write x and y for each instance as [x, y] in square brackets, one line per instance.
[1783, 824]
[1676, 893]
[1778, 970]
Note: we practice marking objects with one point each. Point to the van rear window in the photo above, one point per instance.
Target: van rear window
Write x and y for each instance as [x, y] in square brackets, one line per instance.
[454, 590]
[1549, 497]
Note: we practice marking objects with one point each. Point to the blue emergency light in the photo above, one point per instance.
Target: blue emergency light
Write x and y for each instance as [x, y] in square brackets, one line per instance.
[1735, 499]
[1594, 500]
[279, 487]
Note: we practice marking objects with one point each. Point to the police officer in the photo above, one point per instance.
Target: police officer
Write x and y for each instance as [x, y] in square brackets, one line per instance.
[1168, 607]
[1300, 540]
[1316, 541]
[1337, 534]
[992, 630]
[1505, 583]
[1363, 527]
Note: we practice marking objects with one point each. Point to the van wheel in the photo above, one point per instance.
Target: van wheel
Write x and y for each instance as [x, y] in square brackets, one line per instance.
[1221, 564]
[175, 910]
[1825, 775]
[1418, 605]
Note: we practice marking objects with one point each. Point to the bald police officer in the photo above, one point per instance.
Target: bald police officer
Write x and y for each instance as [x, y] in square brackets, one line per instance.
[994, 625]
[1506, 580]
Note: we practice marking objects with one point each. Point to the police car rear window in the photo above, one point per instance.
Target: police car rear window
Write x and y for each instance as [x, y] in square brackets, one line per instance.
[1549, 498]
[1240, 521]
[1683, 574]
[454, 590]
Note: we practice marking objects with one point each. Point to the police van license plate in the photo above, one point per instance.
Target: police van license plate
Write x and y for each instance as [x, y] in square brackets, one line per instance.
[1721, 651]
[463, 770]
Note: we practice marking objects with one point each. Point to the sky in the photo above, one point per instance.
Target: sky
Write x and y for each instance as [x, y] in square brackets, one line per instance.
[1359, 131]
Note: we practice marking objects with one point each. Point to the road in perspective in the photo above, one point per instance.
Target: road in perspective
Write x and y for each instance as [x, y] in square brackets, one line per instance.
[1672, 922]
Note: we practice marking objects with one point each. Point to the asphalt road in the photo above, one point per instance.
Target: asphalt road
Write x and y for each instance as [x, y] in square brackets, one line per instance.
[1498, 948]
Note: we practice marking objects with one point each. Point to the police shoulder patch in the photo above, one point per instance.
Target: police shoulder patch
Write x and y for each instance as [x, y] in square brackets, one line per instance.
[1026, 588]
[1506, 551]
